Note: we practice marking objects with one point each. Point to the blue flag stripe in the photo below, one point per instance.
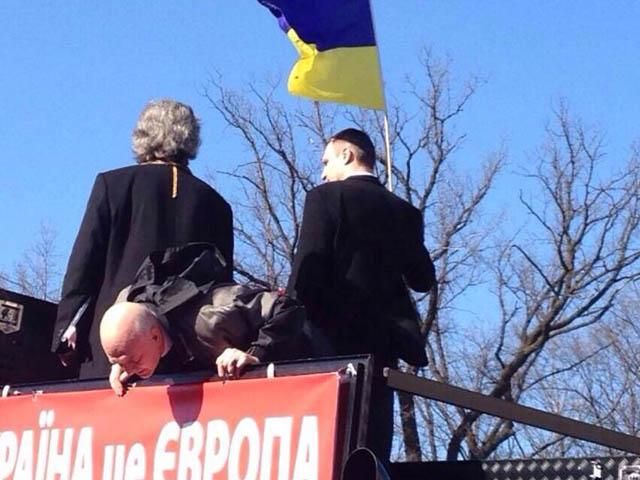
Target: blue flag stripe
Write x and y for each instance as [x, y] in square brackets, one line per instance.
[327, 24]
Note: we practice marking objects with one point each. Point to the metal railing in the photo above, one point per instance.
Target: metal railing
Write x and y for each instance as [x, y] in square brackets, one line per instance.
[497, 407]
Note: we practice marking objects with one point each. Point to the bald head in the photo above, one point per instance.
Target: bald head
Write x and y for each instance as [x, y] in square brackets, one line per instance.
[132, 336]
[123, 324]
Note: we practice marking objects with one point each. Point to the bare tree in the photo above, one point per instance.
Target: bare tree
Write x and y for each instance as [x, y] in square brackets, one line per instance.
[561, 274]
[7, 282]
[273, 180]
[505, 304]
[604, 388]
[37, 273]
[284, 148]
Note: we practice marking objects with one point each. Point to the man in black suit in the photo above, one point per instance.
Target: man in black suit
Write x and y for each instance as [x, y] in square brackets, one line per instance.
[359, 248]
[131, 212]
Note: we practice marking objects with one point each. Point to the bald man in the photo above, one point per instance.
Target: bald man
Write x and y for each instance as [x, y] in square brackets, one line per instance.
[232, 326]
[134, 341]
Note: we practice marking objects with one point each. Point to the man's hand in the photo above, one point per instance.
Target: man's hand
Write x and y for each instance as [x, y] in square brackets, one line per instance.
[232, 361]
[118, 380]
[68, 358]
[69, 337]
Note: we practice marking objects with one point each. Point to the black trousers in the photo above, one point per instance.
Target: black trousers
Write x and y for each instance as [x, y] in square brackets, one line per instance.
[380, 421]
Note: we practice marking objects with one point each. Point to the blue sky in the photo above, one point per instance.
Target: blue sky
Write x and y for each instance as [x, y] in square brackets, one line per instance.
[74, 75]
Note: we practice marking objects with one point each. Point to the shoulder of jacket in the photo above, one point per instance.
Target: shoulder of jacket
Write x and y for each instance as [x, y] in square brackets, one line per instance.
[206, 186]
[123, 170]
[326, 188]
[118, 172]
[401, 201]
[321, 194]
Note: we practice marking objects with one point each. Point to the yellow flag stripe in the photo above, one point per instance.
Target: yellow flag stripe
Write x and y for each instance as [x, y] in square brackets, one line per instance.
[347, 75]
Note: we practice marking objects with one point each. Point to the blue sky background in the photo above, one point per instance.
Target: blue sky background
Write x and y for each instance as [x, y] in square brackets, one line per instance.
[74, 75]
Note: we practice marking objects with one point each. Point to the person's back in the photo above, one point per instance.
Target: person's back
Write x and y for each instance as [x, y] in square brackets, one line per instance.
[354, 291]
[147, 215]
[131, 212]
[358, 246]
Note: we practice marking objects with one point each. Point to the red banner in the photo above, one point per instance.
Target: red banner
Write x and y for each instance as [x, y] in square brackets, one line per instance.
[258, 429]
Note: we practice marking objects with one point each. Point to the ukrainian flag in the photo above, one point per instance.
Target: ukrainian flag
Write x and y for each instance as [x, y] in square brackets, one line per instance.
[337, 47]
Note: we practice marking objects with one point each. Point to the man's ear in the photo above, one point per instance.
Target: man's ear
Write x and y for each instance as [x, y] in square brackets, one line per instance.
[156, 333]
[347, 155]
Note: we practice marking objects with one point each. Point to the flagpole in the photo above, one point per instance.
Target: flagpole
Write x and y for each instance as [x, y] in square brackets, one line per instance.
[387, 144]
[387, 141]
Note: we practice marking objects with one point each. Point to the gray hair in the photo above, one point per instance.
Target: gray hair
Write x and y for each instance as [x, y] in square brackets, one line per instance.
[166, 130]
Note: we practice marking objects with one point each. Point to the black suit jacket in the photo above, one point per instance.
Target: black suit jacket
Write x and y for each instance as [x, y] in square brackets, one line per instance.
[132, 212]
[359, 248]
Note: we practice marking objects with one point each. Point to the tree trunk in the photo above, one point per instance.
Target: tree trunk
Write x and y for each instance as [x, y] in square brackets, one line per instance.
[412, 449]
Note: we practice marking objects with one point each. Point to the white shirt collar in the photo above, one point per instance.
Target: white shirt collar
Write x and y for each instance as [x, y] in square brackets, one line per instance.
[359, 173]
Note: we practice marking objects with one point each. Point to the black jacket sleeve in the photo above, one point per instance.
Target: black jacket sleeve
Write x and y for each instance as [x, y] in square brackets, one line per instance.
[280, 337]
[86, 266]
[418, 269]
[224, 240]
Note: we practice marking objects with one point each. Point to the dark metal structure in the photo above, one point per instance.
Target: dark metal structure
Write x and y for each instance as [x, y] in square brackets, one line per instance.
[26, 329]
[611, 468]
[605, 468]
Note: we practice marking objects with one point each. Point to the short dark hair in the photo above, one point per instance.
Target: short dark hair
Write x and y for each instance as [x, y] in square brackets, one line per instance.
[361, 140]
